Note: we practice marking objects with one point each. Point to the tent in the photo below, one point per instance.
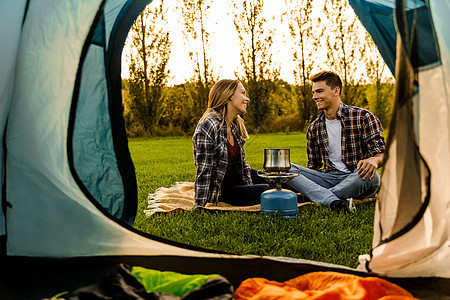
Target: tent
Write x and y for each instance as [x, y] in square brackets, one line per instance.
[412, 227]
[68, 183]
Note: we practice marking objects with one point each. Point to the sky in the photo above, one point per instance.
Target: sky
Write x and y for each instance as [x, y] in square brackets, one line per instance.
[225, 52]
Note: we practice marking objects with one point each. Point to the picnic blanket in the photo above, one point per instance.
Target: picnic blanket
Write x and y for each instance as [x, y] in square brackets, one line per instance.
[321, 286]
[180, 197]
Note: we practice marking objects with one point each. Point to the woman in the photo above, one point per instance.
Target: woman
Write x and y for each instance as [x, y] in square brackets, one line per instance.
[222, 173]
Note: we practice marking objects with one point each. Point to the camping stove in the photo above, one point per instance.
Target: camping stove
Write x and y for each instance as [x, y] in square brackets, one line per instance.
[277, 201]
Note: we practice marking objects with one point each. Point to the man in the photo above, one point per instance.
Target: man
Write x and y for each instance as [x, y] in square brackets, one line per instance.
[344, 146]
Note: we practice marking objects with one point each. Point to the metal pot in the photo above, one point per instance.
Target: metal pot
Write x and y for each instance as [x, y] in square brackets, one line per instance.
[277, 160]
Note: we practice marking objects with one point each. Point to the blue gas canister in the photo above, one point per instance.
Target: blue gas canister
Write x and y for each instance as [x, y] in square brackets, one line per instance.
[279, 202]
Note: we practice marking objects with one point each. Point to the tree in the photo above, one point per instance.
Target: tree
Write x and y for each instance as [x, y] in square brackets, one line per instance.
[149, 55]
[180, 108]
[255, 43]
[304, 41]
[342, 38]
[195, 15]
[380, 96]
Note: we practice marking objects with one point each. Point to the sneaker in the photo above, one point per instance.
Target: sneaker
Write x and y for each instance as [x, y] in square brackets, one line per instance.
[351, 206]
[347, 204]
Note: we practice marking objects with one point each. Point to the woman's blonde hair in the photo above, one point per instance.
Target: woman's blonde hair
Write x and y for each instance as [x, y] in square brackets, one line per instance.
[219, 95]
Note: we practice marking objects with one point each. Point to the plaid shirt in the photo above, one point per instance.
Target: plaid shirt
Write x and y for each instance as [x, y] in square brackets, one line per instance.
[361, 138]
[211, 159]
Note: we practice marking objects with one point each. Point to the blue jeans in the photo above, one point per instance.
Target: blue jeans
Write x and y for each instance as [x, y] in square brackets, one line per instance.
[326, 187]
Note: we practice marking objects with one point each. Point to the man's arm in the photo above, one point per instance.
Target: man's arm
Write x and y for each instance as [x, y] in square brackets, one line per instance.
[312, 149]
[375, 146]
[367, 167]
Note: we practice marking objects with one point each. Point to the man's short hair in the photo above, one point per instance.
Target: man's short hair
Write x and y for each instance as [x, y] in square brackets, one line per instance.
[331, 79]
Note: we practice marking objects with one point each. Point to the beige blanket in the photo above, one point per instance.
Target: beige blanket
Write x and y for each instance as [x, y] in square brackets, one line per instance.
[180, 197]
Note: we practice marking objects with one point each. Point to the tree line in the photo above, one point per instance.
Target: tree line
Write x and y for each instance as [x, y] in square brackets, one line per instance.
[152, 107]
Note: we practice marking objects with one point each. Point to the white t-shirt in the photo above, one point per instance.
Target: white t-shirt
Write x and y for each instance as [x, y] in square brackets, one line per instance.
[334, 131]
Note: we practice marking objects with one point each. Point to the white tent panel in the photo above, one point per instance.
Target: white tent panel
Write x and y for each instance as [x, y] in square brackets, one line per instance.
[11, 16]
[63, 222]
[441, 10]
[424, 250]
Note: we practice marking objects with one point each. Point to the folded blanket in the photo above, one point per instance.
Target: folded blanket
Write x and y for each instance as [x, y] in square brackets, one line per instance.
[322, 285]
[181, 197]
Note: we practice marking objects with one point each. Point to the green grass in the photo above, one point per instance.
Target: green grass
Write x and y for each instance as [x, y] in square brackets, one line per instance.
[318, 233]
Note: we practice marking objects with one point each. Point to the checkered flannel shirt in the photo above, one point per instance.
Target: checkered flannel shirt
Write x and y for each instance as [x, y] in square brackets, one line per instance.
[211, 159]
[361, 138]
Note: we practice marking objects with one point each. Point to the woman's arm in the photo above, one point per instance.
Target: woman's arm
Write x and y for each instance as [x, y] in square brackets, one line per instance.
[204, 146]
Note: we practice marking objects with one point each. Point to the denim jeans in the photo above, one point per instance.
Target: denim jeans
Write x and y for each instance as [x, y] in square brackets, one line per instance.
[244, 195]
[326, 187]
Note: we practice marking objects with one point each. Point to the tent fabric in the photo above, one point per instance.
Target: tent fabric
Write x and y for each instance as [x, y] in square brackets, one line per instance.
[60, 115]
[94, 157]
[378, 17]
[11, 13]
[93, 130]
[413, 207]
[61, 221]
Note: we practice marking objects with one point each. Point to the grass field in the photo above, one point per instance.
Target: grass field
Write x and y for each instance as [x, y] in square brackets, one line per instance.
[318, 233]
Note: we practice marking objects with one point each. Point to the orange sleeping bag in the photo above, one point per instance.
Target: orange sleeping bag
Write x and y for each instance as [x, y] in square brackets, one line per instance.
[322, 286]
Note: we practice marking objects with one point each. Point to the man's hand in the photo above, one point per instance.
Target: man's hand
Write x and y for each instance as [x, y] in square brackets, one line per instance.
[367, 167]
